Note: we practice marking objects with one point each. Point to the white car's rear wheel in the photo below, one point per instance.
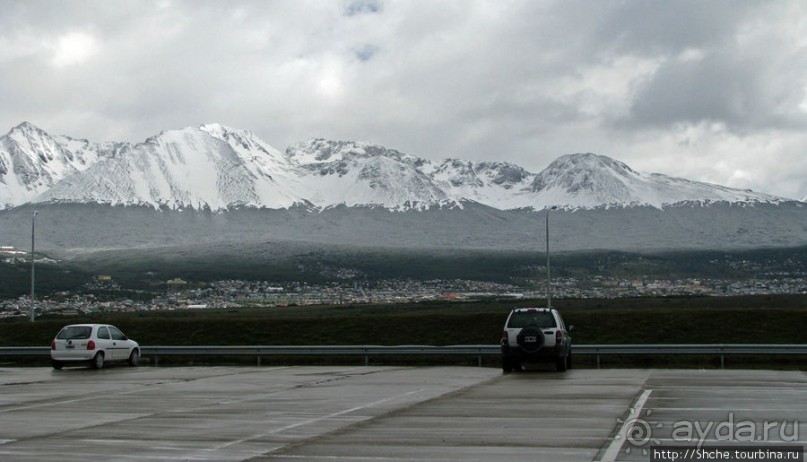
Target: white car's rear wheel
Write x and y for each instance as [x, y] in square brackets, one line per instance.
[98, 360]
[134, 358]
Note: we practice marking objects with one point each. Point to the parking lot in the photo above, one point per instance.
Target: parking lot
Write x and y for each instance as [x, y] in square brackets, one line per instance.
[380, 413]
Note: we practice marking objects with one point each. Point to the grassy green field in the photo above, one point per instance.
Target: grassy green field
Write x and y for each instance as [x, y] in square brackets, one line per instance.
[755, 319]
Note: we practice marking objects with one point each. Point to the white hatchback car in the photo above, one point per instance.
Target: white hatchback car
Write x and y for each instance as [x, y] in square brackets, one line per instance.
[94, 344]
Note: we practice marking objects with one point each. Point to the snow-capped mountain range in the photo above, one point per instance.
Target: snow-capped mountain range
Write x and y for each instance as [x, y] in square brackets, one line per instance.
[213, 167]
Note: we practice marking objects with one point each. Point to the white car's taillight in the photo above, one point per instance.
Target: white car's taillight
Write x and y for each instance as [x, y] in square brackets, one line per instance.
[504, 338]
[558, 336]
[53, 345]
[91, 345]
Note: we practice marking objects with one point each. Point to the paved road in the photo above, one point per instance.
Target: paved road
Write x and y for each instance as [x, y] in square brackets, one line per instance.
[385, 413]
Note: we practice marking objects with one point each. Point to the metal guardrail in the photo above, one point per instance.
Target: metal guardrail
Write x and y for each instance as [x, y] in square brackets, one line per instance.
[721, 350]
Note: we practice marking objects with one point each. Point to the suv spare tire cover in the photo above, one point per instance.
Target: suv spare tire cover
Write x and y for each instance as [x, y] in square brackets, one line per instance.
[530, 339]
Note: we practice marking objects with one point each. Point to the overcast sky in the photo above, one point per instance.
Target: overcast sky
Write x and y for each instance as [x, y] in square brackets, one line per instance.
[713, 91]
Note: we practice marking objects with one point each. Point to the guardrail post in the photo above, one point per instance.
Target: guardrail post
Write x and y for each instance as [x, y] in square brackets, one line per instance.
[598, 360]
[259, 360]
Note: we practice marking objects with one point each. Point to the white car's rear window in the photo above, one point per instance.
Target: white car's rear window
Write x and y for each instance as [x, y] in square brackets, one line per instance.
[539, 319]
[75, 332]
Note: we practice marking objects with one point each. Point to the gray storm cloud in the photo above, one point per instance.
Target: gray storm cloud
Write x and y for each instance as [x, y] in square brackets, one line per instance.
[711, 91]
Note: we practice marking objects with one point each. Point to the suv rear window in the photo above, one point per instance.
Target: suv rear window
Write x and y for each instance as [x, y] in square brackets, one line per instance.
[540, 319]
[75, 332]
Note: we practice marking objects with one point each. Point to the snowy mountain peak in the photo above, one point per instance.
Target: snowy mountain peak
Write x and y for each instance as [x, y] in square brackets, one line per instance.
[363, 174]
[504, 174]
[319, 151]
[590, 180]
[459, 173]
[588, 177]
[31, 161]
[590, 161]
[219, 130]
[34, 143]
[236, 138]
[209, 167]
[27, 129]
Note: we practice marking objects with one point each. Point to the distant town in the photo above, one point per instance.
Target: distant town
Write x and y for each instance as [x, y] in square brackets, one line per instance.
[347, 288]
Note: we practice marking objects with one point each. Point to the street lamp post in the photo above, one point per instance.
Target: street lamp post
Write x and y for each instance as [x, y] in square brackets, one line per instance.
[548, 286]
[33, 235]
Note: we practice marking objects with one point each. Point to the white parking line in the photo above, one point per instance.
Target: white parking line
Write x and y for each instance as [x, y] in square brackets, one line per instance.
[627, 426]
[309, 421]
